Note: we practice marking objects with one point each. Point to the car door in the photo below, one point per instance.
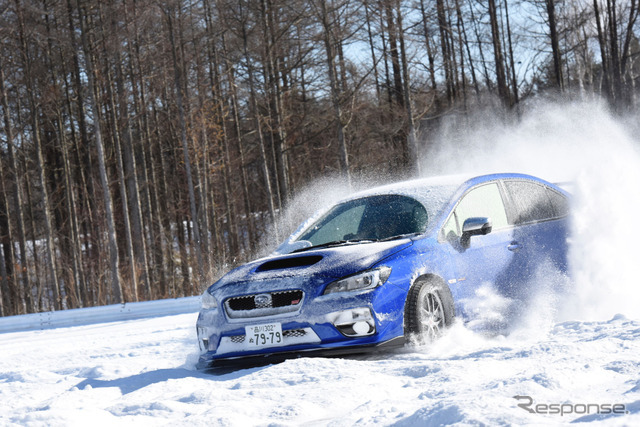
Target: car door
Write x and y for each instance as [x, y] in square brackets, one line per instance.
[539, 215]
[488, 258]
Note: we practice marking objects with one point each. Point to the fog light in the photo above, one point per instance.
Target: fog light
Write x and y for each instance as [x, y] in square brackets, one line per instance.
[357, 322]
[361, 328]
[206, 339]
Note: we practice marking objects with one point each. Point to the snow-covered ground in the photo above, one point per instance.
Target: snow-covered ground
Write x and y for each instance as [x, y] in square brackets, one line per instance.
[141, 372]
[574, 357]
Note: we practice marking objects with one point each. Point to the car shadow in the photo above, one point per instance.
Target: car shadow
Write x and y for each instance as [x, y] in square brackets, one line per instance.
[139, 381]
[226, 372]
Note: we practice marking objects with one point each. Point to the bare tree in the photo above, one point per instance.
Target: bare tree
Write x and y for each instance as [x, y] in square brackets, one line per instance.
[503, 90]
[116, 286]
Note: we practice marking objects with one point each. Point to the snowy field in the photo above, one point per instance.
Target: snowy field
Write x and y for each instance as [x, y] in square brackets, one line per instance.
[574, 357]
[140, 372]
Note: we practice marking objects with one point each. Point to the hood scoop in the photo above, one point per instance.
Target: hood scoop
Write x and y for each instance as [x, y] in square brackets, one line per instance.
[283, 263]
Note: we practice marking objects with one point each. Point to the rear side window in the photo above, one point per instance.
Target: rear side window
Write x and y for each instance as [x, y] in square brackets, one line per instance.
[533, 202]
[559, 202]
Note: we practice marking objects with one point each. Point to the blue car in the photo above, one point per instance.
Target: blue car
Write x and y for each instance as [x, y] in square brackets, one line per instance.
[388, 265]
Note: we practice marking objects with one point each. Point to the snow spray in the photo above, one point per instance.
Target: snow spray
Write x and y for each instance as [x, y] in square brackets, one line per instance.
[591, 153]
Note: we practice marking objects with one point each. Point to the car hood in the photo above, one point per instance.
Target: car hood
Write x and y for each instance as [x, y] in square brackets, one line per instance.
[325, 263]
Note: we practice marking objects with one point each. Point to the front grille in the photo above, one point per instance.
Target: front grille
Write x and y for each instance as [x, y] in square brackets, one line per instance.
[294, 333]
[267, 300]
[237, 339]
[242, 303]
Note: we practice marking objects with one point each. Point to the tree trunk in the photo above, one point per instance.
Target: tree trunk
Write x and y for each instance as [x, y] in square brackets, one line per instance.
[602, 42]
[275, 88]
[398, 92]
[411, 144]
[466, 42]
[59, 302]
[427, 40]
[131, 172]
[616, 74]
[17, 193]
[235, 114]
[445, 30]
[156, 240]
[514, 79]
[9, 287]
[335, 97]
[503, 90]
[258, 126]
[216, 89]
[185, 145]
[373, 52]
[555, 45]
[116, 286]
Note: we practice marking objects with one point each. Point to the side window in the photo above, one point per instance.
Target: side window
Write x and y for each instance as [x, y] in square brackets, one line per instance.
[450, 229]
[531, 202]
[483, 201]
[559, 202]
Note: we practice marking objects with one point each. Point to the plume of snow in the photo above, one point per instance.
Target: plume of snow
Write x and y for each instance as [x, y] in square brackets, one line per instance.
[592, 152]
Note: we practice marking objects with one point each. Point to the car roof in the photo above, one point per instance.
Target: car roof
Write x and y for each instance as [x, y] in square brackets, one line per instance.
[422, 188]
[414, 187]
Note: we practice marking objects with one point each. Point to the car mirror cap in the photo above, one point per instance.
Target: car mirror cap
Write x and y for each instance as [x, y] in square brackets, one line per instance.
[474, 226]
[477, 226]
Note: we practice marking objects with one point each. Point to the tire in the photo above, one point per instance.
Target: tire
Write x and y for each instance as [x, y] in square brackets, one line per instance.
[429, 310]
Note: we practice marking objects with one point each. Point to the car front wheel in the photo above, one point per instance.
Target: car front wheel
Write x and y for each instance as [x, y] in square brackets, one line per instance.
[429, 310]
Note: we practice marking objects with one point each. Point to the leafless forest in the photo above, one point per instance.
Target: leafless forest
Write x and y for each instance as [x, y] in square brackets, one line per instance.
[146, 145]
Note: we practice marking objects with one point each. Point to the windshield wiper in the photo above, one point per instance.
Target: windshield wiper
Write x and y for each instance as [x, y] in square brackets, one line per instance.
[400, 236]
[334, 243]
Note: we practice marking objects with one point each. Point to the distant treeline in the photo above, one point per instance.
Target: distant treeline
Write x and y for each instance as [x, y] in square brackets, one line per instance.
[147, 145]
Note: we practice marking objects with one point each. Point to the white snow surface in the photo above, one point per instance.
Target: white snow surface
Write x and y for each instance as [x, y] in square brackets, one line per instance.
[141, 372]
[578, 349]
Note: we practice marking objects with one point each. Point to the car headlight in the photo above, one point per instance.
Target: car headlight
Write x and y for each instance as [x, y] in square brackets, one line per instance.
[367, 280]
[208, 301]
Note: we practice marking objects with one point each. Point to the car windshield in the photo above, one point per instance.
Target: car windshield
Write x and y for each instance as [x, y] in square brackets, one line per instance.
[369, 218]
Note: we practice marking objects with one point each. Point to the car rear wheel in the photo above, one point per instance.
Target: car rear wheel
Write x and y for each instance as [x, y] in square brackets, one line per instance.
[429, 310]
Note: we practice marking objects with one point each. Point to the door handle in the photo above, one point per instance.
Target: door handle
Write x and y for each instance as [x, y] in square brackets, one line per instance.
[514, 246]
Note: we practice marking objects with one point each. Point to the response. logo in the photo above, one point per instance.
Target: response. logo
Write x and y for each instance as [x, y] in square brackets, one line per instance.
[563, 409]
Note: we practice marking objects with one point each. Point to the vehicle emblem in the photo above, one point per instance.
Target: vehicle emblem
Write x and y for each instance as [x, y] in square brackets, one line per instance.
[262, 300]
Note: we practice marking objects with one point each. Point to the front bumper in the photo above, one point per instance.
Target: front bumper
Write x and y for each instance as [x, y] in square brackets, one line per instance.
[345, 323]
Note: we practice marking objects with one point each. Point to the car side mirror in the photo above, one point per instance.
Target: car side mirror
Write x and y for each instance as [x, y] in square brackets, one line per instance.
[475, 226]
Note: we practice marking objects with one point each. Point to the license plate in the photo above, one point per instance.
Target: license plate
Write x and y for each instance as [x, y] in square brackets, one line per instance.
[267, 335]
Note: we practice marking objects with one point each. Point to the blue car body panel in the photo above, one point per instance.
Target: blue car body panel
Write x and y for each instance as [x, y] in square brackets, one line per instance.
[507, 259]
